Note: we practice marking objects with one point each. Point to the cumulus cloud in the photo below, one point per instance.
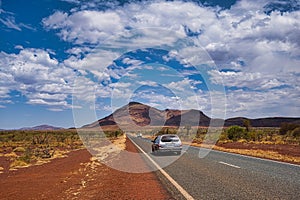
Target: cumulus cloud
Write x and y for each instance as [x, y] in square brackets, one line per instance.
[85, 26]
[260, 46]
[256, 50]
[277, 102]
[38, 76]
[179, 86]
[95, 62]
[254, 81]
[243, 33]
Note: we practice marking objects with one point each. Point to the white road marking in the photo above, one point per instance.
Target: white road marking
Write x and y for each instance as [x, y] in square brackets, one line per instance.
[224, 163]
[178, 187]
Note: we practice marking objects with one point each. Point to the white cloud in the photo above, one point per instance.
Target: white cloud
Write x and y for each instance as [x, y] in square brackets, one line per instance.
[95, 62]
[129, 61]
[243, 32]
[85, 26]
[148, 83]
[256, 81]
[42, 79]
[9, 22]
[265, 49]
[179, 86]
[256, 104]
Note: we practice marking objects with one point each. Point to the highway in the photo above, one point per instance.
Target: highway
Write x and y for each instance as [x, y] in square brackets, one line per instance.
[222, 175]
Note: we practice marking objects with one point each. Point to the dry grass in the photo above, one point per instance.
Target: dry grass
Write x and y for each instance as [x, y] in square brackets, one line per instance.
[19, 149]
[18, 164]
[12, 155]
[27, 148]
[107, 148]
[120, 142]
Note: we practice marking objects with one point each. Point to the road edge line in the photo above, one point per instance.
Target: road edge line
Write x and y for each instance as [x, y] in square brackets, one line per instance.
[176, 185]
[231, 165]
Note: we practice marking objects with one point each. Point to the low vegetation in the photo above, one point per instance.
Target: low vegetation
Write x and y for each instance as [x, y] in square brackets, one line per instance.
[25, 148]
[286, 134]
[28, 147]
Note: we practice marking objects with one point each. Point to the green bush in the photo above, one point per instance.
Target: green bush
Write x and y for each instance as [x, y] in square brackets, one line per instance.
[235, 133]
[255, 135]
[26, 156]
[111, 134]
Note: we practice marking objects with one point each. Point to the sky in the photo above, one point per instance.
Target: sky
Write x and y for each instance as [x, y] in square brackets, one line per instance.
[67, 63]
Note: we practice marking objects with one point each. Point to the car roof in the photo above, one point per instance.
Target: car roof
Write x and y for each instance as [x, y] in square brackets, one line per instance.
[172, 135]
[169, 135]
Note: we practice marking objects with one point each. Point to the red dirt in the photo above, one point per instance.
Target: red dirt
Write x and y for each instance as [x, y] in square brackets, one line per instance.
[77, 177]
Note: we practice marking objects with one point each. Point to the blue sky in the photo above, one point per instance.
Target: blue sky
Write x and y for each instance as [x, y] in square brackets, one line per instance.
[87, 58]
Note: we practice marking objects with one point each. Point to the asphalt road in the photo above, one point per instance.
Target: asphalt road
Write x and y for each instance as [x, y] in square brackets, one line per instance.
[222, 175]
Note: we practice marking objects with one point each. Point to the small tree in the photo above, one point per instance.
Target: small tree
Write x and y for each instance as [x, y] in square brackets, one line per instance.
[247, 124]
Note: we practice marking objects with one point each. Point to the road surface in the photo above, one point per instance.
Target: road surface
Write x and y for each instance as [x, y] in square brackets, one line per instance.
[222, 175]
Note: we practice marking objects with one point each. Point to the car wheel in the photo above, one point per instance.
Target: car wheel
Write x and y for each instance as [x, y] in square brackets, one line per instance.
[153, 151]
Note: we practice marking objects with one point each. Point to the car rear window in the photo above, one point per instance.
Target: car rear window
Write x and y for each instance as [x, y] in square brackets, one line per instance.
[170, 138]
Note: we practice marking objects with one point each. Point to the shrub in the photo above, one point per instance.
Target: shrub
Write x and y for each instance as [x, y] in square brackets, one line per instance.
[235, 132]
[287, 127]
[296, 132]
[26, 156]
[109, 134]
[255, 135]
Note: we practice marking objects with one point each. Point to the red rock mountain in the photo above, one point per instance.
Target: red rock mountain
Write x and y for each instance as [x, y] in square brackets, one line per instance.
[139, 115]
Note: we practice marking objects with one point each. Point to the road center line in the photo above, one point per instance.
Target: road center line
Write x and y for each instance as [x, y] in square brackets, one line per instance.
[224, 163]
[178, 187]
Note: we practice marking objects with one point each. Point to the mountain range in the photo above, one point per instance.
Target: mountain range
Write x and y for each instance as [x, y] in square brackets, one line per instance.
[136, 114]
[41, 127]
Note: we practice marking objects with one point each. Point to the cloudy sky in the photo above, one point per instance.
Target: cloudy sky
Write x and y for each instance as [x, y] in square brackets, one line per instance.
[70, 60]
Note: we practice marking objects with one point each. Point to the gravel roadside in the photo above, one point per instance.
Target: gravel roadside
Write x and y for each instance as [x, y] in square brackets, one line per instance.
[79, 176]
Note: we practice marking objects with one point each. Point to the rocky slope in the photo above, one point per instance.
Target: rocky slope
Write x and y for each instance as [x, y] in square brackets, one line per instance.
[137, 114]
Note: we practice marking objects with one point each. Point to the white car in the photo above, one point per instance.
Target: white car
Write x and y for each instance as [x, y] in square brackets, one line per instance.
[167, 143]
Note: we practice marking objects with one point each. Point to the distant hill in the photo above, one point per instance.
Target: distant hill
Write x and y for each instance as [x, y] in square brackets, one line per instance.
[262, 122]
[41, 127]
[138, 114]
